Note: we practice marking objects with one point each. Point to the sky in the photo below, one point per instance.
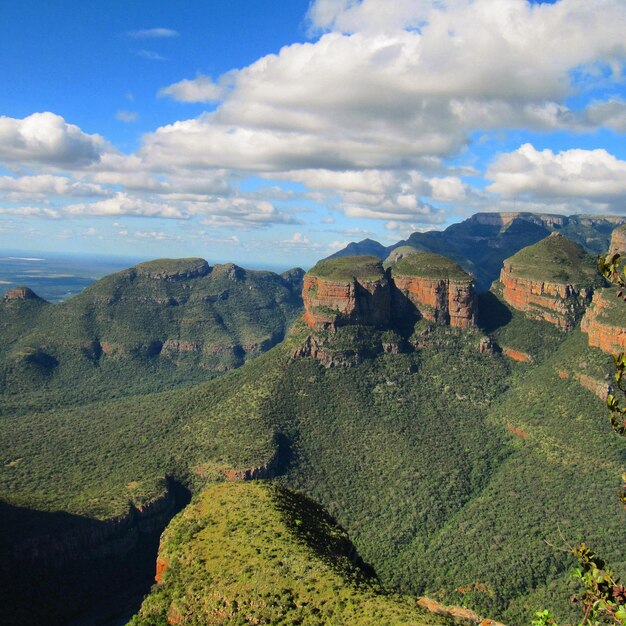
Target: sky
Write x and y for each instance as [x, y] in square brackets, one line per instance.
[274, 133]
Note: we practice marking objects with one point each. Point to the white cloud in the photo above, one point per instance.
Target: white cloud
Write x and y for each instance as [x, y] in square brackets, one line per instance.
[240, 213]
[588, 176]
[44, 185]
[126, 204]
[127, 116]
[153, 33]
[200, 89]
[611, 114]
[31, 211]
[46, 138]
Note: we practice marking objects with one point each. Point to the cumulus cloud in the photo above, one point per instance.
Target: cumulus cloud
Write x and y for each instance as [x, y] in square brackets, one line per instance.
[240, 213]
[591, 176]
[44, 185]
[126, 204]
[200, 89]
[391, 85]
[46, 138]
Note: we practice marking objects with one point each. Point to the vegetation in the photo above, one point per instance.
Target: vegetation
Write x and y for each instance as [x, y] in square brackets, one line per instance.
[259, 553]
[430, 265]
[441, 463]
[349, 268]
[557, 259]
[158, 325]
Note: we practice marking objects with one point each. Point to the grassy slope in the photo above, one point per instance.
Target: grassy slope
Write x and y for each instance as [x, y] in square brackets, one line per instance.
[257, 553]
[430, 265]
[349, 267]
[556, 259]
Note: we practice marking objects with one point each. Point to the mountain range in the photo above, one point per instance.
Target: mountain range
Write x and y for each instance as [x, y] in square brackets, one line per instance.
[400, 433]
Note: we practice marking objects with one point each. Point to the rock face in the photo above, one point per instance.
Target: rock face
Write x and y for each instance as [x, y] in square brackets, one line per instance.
[605, 322]
[20, 293]
[618, 240]
[437, 288]
[357, 290]
[552, 280]
[346, 291]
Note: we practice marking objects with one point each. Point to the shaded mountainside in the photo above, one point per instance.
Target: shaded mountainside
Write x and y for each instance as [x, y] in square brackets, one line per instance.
[552, 280]
[161, 323]
[482, 242]
[261, 554]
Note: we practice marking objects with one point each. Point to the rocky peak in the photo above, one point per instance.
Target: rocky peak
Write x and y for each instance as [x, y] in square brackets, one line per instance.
[605, 321]
[436, 287]
[358, 290]
[552, 280]
[172, 269]
[20, 293]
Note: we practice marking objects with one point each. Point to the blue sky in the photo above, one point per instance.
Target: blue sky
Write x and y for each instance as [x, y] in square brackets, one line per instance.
[236, 131]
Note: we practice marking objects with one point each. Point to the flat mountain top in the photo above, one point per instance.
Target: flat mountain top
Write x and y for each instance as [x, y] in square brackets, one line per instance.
[429, 265]
[262, 554]
[555, 259]
[363, 267]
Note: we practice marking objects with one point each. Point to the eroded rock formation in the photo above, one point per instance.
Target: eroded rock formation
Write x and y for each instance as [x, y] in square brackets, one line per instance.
[552, 280]
[357, 290]
[605, 322]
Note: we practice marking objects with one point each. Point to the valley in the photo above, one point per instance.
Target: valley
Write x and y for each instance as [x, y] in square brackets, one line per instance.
[455, 435]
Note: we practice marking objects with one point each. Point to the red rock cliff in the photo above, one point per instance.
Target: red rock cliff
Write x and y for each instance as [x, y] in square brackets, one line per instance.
[603, 322]
[559, 304]
[443, 300]
[342, 293]
[356, 290]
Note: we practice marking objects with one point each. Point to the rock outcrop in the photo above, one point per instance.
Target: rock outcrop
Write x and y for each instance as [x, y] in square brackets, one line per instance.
[20, 293]
[605, 322]
[438, 289]
[172, 269]
[552, 280]
[618, 241]
[346, 291]
[358, 290]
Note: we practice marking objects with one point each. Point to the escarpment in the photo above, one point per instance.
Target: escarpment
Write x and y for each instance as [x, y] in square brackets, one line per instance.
[618, 240]
[436, 287]
[358, 290]
[347, 291]
[552, 280]
[605, 321]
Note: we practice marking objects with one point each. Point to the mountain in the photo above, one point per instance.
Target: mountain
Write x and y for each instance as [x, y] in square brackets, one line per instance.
[551, 280]
[453, 467]
[156, 325]
[482, 242]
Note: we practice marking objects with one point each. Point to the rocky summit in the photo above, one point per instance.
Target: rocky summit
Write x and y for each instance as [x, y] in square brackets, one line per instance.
[358, 290]
[552, 280]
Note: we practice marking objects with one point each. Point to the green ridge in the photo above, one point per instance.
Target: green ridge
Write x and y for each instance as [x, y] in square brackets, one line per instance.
[556, 259]
[257, 553]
